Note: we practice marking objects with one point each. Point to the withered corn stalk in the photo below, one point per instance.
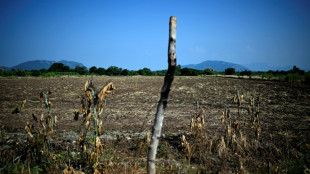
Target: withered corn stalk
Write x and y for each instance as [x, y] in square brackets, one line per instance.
[48, 104]
[92, 106]
[162, 104]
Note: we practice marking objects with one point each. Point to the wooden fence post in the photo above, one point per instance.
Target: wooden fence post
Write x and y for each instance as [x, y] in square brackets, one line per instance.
[159, 117]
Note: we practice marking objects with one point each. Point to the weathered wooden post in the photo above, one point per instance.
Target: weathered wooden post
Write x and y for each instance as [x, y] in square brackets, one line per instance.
[162, 104]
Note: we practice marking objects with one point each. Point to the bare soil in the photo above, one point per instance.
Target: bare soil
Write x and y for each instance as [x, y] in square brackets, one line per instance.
[129, 113]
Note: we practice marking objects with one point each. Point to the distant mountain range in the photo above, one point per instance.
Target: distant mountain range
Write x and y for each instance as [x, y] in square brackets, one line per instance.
[216, 65]
[221, 66]
[41, 64]
[266, 67]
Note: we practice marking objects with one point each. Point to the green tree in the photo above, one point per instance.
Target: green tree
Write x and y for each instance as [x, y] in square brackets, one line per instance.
[101, 71]
[93, 70]
[133, 73]
[82, 70]
[209, 71]
[246, 73]
[59, 67]
[190, 72]
[145, 72]
[114, 71]
[297, 71]
[177, 70]
[125, 72]
[230, 71]
[20, 72]
[35, 72]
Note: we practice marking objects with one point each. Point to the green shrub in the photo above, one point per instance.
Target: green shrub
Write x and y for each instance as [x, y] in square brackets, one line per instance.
[230, 71]
[293, 77]
[267, 75]
[246, 73]
[21, 72]
[35, 73]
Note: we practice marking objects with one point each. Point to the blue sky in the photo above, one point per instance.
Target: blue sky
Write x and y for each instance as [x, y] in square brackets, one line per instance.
[134, 34]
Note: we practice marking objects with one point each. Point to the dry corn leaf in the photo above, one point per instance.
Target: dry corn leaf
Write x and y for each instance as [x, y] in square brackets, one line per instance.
[222, 148]
[88, 117]
[96, 171]
[78, 172]
[56, 121]
[86, 85]
[50, 104]
[193, 123]
[19, 107]
[42, 130]
[23, 103]
[88, 97]
[68, 170]
[258, 131]
[147, 138]
[183, 140]
[202, 110]
[228, 131]
[49, 134]
[251, 101]
[34, 117]
[81, 139]
[100, 112]
[93, 155]
[28, 129]
[240, 100]
[235, 99]
[101, 106]
[100, 128]
[223, 117]
[108, 89]
[84, 148]
[98, 142]
[86, 125]
[43, 125]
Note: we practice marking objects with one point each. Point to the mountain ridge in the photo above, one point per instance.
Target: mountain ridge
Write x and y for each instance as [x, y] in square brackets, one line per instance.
[216, 65]
[41, 64]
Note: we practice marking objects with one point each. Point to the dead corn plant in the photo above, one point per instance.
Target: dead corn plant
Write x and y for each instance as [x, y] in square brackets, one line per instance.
[238, 99]
[197, 147]
[233, 138]
[225, 117]
[39, 150]
[222, 151]
[186, 147]
[254, 111]
[92, 107]
[198, 119]
[49, 120]
[235, 141]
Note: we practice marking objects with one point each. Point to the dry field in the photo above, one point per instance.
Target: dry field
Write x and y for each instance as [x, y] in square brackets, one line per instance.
[283, 143]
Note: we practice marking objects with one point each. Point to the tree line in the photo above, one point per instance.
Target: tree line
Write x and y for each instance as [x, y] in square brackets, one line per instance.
[57, 69]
